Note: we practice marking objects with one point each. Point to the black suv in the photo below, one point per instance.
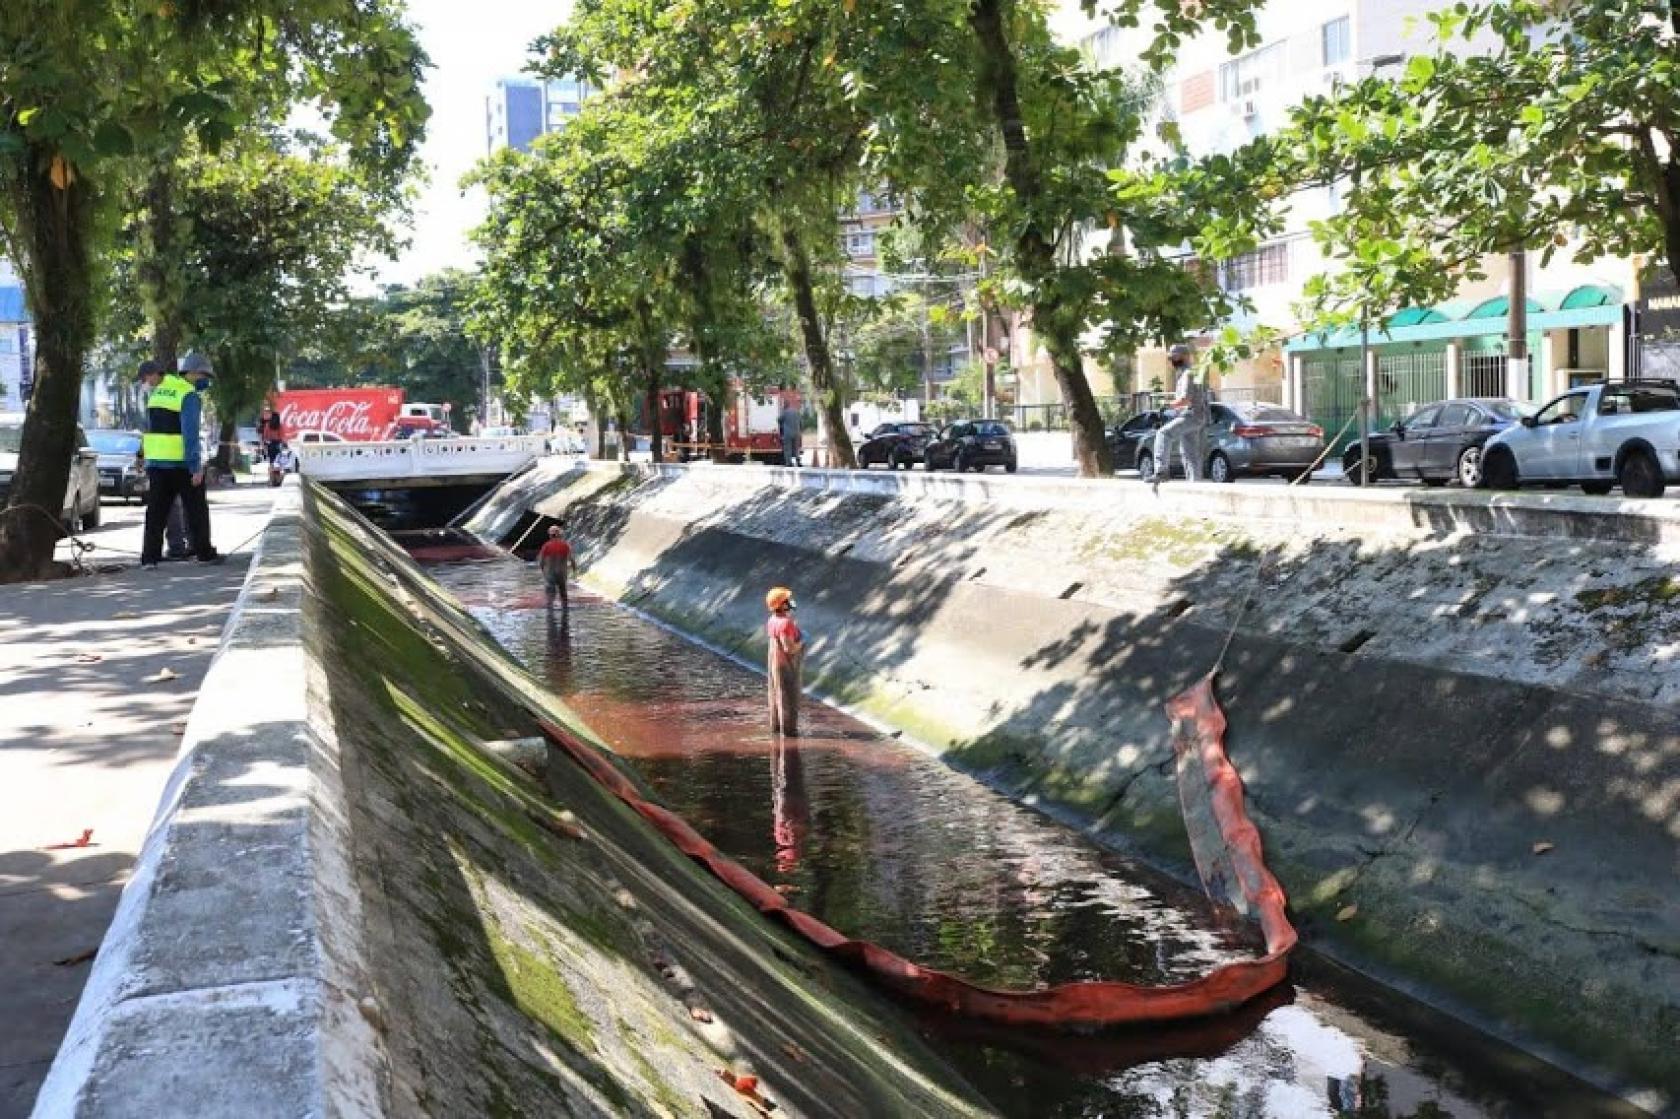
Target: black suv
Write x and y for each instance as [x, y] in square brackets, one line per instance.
[972, 445]
[897, 445]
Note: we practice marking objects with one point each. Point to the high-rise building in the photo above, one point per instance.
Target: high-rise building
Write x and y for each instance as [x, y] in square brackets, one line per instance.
[518, 110]
[15, 356]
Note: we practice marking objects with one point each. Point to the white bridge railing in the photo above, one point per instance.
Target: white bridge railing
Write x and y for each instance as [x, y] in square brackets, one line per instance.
[417, 458]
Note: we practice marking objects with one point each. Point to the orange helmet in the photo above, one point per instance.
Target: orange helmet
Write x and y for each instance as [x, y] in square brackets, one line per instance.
[778, 598]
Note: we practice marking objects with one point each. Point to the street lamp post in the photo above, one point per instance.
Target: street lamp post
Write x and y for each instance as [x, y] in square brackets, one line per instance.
[1372, 385]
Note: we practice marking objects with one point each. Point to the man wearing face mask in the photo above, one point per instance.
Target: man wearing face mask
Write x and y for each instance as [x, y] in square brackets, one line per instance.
[1188, 427]
[174, 451]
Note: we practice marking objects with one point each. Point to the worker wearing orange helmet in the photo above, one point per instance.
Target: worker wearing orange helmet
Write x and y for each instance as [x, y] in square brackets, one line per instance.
[787, 660]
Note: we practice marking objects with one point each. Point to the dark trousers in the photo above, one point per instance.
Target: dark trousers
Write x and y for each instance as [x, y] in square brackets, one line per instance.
[167, 484]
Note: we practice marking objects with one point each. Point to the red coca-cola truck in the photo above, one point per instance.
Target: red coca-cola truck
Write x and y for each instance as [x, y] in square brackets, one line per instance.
[356, 415]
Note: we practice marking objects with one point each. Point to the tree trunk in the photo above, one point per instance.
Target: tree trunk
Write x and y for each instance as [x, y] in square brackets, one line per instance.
[158, 263]
[653, 372]
[624, 433]
[54, 233]
[796, 265]
[1034, 248]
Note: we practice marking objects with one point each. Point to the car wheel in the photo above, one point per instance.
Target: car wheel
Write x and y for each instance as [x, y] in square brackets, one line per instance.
[1145, 465]
[1010, 466]
[1499, 470]
[960, 463]
[1219, 468]
[1597, 489]
[898, 460]
[1470, 467]
[1640, 476]
[1357, 471]
[90, 519]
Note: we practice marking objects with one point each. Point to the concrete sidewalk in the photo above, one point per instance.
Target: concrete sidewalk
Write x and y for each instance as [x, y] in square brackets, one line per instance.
[88, 735]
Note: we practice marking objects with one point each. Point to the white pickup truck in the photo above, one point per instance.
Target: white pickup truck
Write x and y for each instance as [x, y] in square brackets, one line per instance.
[1622, 433]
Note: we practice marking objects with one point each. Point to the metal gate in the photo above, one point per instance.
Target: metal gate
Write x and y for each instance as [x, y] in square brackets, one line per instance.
[1482, 375]
[1406, 381]
[1333, 388]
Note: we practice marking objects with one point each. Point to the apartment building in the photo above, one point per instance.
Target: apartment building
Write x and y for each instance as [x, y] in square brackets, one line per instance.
[1220, 102]
[518, 110]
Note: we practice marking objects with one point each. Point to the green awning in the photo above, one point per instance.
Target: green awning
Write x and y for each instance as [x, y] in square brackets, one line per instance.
[1500, 306]
[1585, 306]
[1590, 295]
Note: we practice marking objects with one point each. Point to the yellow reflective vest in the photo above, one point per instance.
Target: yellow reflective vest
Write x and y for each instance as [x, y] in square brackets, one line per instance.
[164, 443]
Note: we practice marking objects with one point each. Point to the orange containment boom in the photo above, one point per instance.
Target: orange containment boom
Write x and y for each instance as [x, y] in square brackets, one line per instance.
[1227, 850]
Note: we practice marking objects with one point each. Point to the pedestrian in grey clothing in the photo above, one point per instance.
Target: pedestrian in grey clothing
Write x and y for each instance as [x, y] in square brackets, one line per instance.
[1188, 429]
[788, 424]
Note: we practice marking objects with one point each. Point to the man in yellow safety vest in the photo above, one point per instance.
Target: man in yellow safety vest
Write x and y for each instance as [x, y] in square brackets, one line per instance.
[174, 451]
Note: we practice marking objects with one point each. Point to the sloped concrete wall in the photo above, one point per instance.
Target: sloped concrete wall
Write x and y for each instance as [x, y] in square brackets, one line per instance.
[1468, 736]
[367, 894]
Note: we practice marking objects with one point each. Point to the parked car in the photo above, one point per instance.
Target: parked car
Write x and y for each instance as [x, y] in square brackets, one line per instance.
[971, 445]
[1439, 443]
[1600, 436]
[319, 437]
[81, 493]
[122, 472]
[250, 444]
[897, 445]
[1127, 438]
[1249, 439]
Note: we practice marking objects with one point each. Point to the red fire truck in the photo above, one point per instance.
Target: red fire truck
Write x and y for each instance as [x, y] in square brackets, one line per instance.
[751, 424]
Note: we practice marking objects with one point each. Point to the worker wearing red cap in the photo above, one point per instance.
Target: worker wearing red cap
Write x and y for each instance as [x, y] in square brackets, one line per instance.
[787, 658]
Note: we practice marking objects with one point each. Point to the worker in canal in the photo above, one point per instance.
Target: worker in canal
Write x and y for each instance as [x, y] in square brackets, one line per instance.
[1188, 427]
[787, 660]
[553, 560]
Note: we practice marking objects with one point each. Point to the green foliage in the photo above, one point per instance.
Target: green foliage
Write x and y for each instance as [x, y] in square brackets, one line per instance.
[1558, 139]
[414, 338]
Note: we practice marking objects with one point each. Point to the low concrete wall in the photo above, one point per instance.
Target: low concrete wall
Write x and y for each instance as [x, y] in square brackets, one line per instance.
[1464, 735]
[230, 979]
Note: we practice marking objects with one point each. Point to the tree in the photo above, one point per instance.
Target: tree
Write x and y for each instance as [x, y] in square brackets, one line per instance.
[1561, 137]
[91, 91]
[1091, 206]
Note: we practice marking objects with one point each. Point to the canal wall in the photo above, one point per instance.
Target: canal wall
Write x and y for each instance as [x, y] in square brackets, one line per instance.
[1455, 714]
[371, 890]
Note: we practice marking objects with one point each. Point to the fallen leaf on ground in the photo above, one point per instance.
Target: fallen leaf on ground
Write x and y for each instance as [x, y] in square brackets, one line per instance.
[699, 1014]
[126, 614]
[85, 840]
[747, 1086]
[162, 676]
[89, 658]
[786, 888]
[78, 958]
[796, 1051]
[1347, 913]
[1542, 847]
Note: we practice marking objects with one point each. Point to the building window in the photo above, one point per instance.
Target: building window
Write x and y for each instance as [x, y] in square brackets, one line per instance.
[1269, 264]
[860, 242]
[1247, 76]
[1337, 38]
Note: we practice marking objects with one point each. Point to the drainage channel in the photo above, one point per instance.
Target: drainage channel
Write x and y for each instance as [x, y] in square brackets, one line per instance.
[887, 844]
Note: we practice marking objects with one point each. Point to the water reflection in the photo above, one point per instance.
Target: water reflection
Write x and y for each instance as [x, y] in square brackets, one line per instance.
[888, 845]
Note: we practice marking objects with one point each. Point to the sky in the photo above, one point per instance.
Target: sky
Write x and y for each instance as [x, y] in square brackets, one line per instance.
[471, 44]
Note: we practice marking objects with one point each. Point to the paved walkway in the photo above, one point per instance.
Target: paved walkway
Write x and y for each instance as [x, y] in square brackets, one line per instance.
[88, 733]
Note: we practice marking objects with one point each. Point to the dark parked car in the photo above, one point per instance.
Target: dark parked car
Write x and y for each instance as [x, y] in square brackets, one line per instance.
[898, 446]
[1243, 440]
[122, 472]
[1439, 443]
[971, 445]
[1128, 437]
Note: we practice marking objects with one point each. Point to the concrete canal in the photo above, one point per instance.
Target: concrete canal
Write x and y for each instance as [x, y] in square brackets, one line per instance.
[885, 843]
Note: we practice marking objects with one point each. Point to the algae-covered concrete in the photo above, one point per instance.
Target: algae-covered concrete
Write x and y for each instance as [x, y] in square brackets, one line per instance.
[538, 950]
[1464, 744]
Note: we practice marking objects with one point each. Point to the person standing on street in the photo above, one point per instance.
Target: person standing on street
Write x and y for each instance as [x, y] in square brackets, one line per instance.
[787, 425]
[553, 559]
[175, 528]
[271, 431]
[173, 447]
[1188, 428]
[787, 661]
